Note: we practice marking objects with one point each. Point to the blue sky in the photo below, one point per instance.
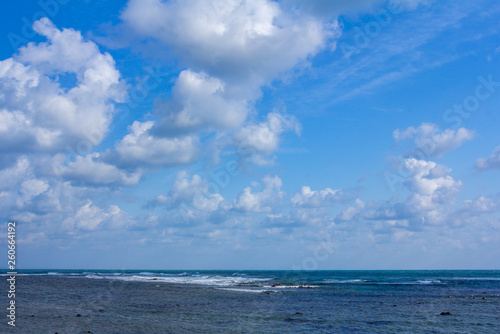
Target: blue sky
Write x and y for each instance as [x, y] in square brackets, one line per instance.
[251, 134]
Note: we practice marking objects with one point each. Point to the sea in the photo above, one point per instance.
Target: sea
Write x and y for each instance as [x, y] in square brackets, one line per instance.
[165, 301]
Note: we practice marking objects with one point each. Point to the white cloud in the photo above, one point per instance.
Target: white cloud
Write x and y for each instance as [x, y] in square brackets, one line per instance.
[476, 212]
[351, 212]
[431, 195]
[189, 195]
[312, 198]
[238, 41]
[199, 102]
[90, 170]
[231, 49]
[482, 204]
[141, 148]
[250, 201]
[30, 189]
[38, 114]
[491, 162]
[16, 173]
[431, 141]
[89, 217]
[430, 185]
[262, 139]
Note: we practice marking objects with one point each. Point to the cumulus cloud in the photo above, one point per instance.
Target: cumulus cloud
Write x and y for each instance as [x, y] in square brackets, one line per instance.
[51, 203]
[431, 190]
[262, 139]
[58, 97]
[351, 212]
[89, 217]
[313, 198]
[37, 113]
[90, 170]
[141, 148]
[236, 41]
[431, 194]
[482, 204]
[491, 162]
[261, 201]
[199, 102]
[231, 49]
[31, 188]
[433, 142]
[15, 173]
[473, 211]
[188, 200]
[430, 185]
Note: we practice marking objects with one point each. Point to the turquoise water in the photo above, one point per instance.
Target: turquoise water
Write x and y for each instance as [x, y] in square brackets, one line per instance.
[144, 301]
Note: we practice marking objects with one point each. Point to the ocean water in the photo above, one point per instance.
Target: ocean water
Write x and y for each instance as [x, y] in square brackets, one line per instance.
[73, 301]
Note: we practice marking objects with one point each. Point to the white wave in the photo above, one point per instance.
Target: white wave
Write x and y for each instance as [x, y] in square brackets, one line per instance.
[429, 282]
[302, 286]
[200, 280]
[248, 290]
[94, 276]
[420, 282]
[347, 281]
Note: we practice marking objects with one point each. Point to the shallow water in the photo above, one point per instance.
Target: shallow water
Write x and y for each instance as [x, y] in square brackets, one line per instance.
[256, 302]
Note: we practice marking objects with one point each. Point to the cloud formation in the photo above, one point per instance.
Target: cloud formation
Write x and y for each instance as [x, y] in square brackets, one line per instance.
[491, 162]
[260, 140]
[240, 42]
[260, 201]
[431, 141]
[140, 148]
[313, 198]
[57, 99]
[431, 194]
[231, 49]
[37, 113]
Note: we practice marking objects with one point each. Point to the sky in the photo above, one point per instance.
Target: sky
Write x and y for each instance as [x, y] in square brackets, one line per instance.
[258, 134]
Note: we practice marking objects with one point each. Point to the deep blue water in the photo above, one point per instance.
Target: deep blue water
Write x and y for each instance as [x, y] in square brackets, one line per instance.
[145, 301]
